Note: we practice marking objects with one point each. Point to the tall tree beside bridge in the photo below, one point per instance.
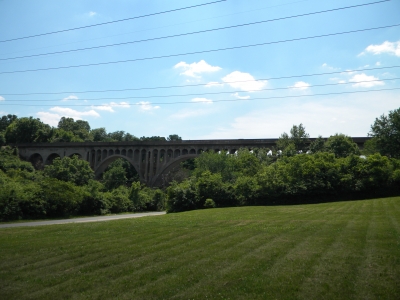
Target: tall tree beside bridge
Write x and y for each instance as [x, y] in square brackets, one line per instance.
[386, 132]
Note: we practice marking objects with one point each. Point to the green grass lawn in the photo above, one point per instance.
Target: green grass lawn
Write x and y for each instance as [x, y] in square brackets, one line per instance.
[343, 250]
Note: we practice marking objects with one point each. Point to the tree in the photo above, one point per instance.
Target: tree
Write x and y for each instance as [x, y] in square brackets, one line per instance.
[318, 145]
[341, 145]
[386, 131]
[69, 169]
[174, 138]
[5, 121]
[298, 138]
[370, 147]
[2, 139]
[69, 124]
[61, 135]
[79, 128]
[99, 134]
[28, 130]
[114, 177]
[117, 136]
[152, 138]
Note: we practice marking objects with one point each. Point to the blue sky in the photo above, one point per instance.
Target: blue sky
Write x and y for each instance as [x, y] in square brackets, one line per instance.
[257, 106]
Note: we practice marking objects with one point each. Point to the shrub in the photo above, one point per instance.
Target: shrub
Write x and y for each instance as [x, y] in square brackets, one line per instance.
[209, 203]
[119, 201]
[61, 198]
[94, 200]
[68, 169]
[182, 196]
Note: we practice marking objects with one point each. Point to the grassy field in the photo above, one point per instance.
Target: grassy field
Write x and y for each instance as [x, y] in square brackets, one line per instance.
[344, 250]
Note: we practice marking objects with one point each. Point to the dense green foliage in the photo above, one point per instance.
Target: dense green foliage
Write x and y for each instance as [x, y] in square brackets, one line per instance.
[342, 250]
[250, 179]
[295, 171]
[386, 133]
[67, 188]
[30, 130]
[68, 169]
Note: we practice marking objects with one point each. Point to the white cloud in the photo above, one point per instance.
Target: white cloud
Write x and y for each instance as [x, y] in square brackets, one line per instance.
[52, 118]
[49, 118]
[195, 69]
[377, 63]
[351, 115]
[301, 85]
[121, 104]
[348, 72]
[71, 113]
[2, 98]
[189, 113]
[385, 47]
[326, 66]
[358, 78]
[92, 13]
[146, 106]
[72, 97]
[202, 100]
[213, 83]
[243, 81]
[109, 107]
[104, 107]
[236, 95]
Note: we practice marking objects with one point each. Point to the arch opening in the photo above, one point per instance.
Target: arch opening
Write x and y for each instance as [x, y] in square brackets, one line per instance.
[178, 170]
[98, 156]
[169, 155]
[105, 152]
[50, 158]
[136, 154]
[37, 161]
[131, 171]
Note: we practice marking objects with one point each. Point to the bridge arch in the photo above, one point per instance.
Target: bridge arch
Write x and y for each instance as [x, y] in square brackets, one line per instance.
[51, 157]
[107, 161]
[169, 166]
[37, 161]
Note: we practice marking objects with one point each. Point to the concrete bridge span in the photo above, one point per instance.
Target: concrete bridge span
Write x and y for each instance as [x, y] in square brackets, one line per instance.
[151, 159]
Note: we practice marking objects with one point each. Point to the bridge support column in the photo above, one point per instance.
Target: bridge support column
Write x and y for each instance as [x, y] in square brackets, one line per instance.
[146, 166]
[157, 162]
[151, 165]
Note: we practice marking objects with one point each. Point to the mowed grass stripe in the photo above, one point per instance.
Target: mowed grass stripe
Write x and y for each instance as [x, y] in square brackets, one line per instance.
[377, 257]
[253, 260]
[95, 265]
[332, 273]
[175, 260]
[162, 282]
[332, 250]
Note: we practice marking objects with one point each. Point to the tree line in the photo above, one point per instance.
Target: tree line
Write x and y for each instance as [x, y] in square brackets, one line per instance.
[294, 171]
[15, 130]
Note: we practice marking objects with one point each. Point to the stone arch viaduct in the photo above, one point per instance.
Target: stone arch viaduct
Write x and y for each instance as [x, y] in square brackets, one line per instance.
[150, 159]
